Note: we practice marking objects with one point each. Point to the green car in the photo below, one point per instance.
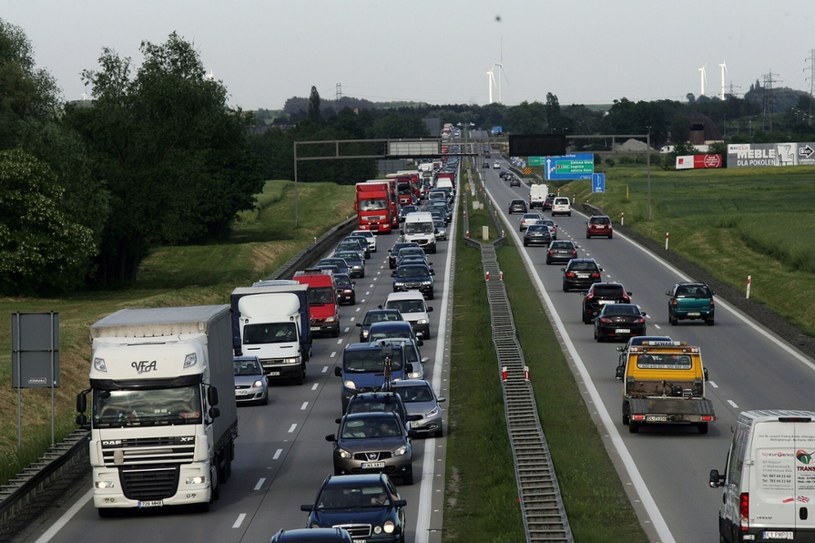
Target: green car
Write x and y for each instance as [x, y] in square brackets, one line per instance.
[691, 301]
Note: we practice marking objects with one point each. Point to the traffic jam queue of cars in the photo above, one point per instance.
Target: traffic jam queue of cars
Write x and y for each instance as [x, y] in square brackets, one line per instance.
[386, 401]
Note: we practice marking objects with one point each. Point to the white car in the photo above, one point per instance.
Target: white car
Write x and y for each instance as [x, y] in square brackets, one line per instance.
[496, 165]
[411, 304]
[561, 206]
[367, 234]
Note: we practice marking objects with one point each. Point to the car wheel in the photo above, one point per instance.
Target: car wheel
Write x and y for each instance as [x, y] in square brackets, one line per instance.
[586, 318]
[673, 320]
[407, 478]
[265, 400]
[633, 427]
[354, 301]
[439, 432]
[710, 322]
[548, 261]
[588, 236]
[569, 214]
[702, 427]
[610, 236]
[336, 333]
[526, 243]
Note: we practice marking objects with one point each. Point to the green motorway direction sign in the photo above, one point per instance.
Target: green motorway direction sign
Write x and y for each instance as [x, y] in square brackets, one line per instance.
[577, 166]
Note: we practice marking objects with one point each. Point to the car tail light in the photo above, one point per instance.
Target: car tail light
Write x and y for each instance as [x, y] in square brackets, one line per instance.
[570, 274]
[626, 298]
[711, 303]
[589, 296]
[551, 252]
[639, 320]
[605, 320]
[595, 275]
[744, 511]
[574, 253]
[673, 302]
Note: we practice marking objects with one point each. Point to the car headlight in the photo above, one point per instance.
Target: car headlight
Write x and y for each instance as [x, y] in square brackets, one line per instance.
[413, 375]
[398, 283]
[330, 319]
[291, 361]
[427, 282]
[343, 453]
[401, 451]
[257, 384]
[350, 385]
[423, 321]
[432, 413]
[389, 527]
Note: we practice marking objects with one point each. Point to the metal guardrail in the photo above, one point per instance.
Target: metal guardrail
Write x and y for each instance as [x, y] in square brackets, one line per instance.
[27, 485]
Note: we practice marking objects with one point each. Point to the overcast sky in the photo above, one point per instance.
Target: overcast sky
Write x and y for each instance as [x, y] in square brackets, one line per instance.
[439, 51]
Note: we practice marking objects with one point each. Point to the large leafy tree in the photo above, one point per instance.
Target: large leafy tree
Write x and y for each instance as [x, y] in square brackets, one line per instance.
[42, 248]
[175, 158]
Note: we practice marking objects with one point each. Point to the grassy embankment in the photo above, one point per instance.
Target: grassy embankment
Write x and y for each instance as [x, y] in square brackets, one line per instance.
[263, 240]
[482, 500]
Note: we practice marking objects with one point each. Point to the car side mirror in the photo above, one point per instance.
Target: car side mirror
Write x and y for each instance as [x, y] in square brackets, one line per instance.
[419, 342]
[331, 438]
[425, 359]
[716, 480]
[667, 293]
[359, 324]
[393, 274]
[429, 309]
[619, 373]
[432, 272]
[308, 508]
[338, 371]
[705, 372]
[338, 419]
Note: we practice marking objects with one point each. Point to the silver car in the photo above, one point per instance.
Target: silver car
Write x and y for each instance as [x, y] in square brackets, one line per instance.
[421, 401]
[251, 385]
[373, 442]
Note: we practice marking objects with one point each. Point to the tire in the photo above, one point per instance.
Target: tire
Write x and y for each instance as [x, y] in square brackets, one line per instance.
[588, 236]
[633, 427]
[407, 479]
[107, 512]
[710, 322]
[439, 433]
[265, 401]
[672, 320]
[336, 333]
[526, 243]
[702, 427]
[610, 236]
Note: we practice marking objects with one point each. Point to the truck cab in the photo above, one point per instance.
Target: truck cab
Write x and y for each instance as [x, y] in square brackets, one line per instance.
[664, 382]
[324, 311]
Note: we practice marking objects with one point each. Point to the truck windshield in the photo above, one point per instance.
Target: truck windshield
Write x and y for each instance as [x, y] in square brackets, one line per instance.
[419, 228]
[373, 205]
[273, 332]
[371, 361]
[320, 296]
[147, 407]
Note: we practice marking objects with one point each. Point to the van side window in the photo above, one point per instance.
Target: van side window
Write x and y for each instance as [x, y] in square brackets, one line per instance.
[736, 456]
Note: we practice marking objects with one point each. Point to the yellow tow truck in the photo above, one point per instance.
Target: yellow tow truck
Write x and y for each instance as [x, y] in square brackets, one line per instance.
[664, 383]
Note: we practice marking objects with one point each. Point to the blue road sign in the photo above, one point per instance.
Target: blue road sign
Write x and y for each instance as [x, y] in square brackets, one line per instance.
[598, 182]
[566, 167]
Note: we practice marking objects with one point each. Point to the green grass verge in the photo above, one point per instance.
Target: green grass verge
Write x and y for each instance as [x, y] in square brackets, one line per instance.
[481, 487]
[263, 240]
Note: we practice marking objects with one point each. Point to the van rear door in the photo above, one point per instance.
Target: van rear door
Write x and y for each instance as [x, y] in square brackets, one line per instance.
[782, 478]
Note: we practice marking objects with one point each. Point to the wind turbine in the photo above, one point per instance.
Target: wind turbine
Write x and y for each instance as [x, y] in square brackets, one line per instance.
[702, 80]
[490, 83]
[723, 69]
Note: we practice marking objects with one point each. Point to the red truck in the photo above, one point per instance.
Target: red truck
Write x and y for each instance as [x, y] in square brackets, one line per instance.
[449, 175]
[407, 186]
[373, 207]
[323, 309]
[393, 201]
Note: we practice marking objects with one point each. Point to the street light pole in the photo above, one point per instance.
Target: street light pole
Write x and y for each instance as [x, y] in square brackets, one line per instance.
[648, 167]
[296, 195]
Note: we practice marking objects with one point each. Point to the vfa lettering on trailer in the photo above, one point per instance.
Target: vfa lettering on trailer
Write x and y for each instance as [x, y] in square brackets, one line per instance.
[144, 366]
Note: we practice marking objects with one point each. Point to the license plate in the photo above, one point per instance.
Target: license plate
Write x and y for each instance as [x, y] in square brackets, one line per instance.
[656, 418]
[373, 465]
[241, 392]
[694, 314]
[778, 535]
[315, 328]
[604, 302]
[151, 503]
[582, 275]
[274, 373]
[623, 330]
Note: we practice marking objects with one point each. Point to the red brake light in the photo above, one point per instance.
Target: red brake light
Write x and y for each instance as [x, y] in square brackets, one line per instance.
[627, 298]
[590, 296]
[711, 303]
[744, 511]
[595, 274]
[569, 274]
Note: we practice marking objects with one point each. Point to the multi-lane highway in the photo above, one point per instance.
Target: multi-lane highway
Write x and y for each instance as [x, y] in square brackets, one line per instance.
[665, 468]
[282, 456]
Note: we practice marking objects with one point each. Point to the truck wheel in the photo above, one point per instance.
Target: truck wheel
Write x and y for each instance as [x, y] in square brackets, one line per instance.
[633, 427]
[106, 512]
[702, 426]
[625, 413]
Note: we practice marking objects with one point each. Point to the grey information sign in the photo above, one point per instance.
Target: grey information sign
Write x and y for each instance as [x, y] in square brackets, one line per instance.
[34, 350]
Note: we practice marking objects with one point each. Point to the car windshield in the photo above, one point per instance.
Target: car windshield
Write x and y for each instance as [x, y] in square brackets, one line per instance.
[419, 227]
[339, 497]
[247, 367]
[371, 318]
[561, 245]
[373, 427]
[371, 361]
[418, 393]
[147, 407]
[582, 266]
[385, 334]
[349, 256]
[411, 271]
[692, 292]
[407, 306]
[599, 220]
[608, 290]
[621, 309]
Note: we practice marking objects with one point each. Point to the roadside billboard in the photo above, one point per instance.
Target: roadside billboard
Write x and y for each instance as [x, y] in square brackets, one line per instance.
[690, 162]
[745, 155]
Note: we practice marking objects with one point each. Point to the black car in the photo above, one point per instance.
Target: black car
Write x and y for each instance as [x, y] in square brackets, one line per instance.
[346, 293]
[547, 203]
[394, 251]
[414, 277]
[600, 294]
[338, 262]
[619, 321]
[517, 206]
[312, 535]
[580, 273]
[355, 243]
[379, 401]
[537, 234]
[514, 181]
[376, 315]
[561, 251]
[367, 505]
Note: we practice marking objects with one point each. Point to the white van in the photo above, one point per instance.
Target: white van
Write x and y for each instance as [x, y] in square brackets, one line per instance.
[537, 194]
[419, 228]
[561, 206]
[769, 478]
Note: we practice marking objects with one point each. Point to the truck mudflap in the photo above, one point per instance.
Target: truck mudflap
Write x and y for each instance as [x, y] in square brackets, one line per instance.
[696, 411]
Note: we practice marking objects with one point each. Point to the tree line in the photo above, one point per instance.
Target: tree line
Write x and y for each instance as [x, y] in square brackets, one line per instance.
[157, 156]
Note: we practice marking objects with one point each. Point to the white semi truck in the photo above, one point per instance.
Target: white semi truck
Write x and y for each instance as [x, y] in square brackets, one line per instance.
[163, 420]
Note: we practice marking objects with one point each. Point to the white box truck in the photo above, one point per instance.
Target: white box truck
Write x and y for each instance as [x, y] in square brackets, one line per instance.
[419, 228]
[537, 194]
[769, 478]
[163, 420]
